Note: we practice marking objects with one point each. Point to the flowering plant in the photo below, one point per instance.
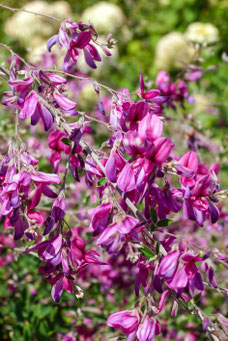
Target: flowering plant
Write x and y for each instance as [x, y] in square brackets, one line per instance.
[146, 202]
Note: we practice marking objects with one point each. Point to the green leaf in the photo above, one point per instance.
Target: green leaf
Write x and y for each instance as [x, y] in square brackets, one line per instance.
[66, 141]
[147, 252]
[152, 228]
[164, 222]
[197, 297]
[190, 306]
[101, 182]
[157, 248]
[154, 215]
[198, 263]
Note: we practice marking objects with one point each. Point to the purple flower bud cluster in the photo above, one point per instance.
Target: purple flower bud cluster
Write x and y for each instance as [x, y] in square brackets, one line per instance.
[77, 38]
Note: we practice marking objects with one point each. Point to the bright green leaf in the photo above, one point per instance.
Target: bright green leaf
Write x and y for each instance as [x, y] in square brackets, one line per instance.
[101, 182]
[154, 215]
[147, 252]
[66, 141]
[164, 222]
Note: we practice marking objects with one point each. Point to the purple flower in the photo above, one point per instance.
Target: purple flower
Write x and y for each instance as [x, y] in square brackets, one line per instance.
[168, 266]
[190, 161]
[76, 37]
[150, 127]
[126, 179]
[198, 203]
[29, 106]
[127, 320]
[148, 95]
[65, 103]
[188, 274]
[112, 237]
[148, 329]
[101, 216]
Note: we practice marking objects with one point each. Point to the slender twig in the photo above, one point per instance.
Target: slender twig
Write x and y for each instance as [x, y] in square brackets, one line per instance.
[107, 125]
[12, 9]
[5, 71]
[67, 168]
[16, 54]
[112, 91]
[210, 329]
[221, 290]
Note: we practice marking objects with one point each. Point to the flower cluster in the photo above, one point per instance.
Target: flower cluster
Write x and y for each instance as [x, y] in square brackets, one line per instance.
[64, 257]
[22, 186]
[77, 37]
[30, 100]
[137, 181]
[132, 324]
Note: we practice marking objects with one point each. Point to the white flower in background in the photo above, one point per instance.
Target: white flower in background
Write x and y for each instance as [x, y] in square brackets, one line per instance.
[34, 54]
[164, 2]
[26, 27]
[106, 17]
[171, 50]
[202, 33]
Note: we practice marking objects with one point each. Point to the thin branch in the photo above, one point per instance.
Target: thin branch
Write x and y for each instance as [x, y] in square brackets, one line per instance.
[112, 91]
[107, 125]
[221, 290]
[210, 329]
[67, 168]
[14, 53]
[12, 9]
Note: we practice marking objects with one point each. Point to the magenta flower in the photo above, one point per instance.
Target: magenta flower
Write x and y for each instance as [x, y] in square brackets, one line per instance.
[150, 127]
[148, 329]
[168, 199]
[159, 150]
[149, 95]
[101, 216]
[177, 91]
[135, 112]
[189, 274]
[57, 214]
[190, 161]
[64, 258]
[65, 103]
[133, 144]
[126, 320]
[126, 179]
[76, 37]
[111, 168]
[168, 266]
[29, 106]
[198, 203]
[113, 236]
[15, 194]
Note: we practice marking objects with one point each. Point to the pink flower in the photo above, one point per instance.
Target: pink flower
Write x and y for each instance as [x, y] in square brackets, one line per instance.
[188, 274]
[76, 37]
[126, 179]
[189, 160]
[65, 103]
[112, 237]
[148, 329]
[127, 320]
[150, 127]
[168, 265]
